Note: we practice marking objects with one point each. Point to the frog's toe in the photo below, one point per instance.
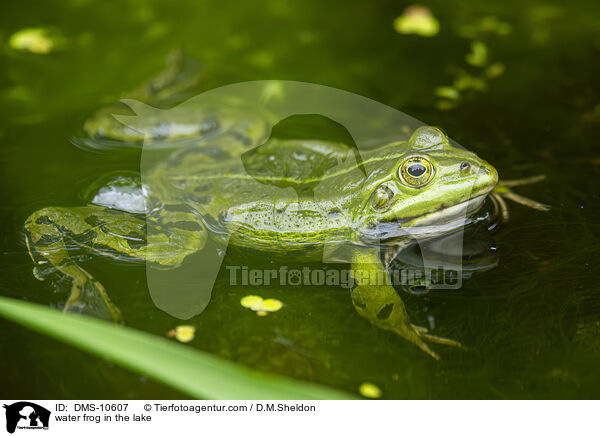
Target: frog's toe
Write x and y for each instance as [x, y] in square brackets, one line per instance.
[90, 298]
[522, 182]
[418, 341]
[503, 190]
[424, 334]
[528, 202]
[39, 274]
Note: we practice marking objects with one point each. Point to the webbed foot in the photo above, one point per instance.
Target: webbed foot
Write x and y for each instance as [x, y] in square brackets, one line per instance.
[503, 190]
[89, 297]
[423, 334]
[385, 309]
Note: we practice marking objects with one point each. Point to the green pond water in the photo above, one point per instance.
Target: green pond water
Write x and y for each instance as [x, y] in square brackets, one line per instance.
[516, 82]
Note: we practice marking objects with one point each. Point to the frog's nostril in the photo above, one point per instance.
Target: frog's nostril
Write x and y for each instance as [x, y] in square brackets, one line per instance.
[465, 166]
[489, 173]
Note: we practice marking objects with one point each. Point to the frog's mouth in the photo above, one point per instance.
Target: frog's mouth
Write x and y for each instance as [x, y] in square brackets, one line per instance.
[431, 224]
[444, 219]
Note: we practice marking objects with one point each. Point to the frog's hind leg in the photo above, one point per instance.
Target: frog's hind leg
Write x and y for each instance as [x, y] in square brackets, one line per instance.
[377, 301]
[381, 305]
[52, 234]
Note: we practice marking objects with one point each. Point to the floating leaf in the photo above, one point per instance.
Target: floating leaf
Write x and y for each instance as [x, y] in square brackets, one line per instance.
[261, 306]
[271, 305]
[465, 80]
[418, 20]
[36, 40]
[252, 302]
[478, 55]
[272, 92]
[183, 333]
[369, 390]
[447, 92]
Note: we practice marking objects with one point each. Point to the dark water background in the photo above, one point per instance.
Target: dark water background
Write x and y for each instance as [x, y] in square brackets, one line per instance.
[531, 325]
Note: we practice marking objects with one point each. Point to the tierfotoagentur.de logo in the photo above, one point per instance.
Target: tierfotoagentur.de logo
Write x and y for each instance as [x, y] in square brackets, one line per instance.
[24, 415]
[346, 278]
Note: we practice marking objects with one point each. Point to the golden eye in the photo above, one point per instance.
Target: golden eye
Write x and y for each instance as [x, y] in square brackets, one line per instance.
[381, 199]
[416, 171]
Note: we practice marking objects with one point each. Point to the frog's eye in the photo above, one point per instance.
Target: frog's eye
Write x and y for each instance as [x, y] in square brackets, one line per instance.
[381, 199]
[416, 171]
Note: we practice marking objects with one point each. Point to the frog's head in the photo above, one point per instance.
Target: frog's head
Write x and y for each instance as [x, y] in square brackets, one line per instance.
[427, 191]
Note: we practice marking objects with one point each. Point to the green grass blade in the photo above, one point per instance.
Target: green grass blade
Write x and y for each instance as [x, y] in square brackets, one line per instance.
[188, 370]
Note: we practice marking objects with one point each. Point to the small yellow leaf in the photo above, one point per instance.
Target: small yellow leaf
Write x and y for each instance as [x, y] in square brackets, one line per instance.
[369, 390]
[447, 92]
[185, 333]
[252, 302]
[418, 20]
[271, 305]
[272, 91]
[260, 306]
[35, 40]
[478, 56]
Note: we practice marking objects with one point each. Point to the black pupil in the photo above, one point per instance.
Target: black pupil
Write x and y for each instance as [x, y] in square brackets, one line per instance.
[416, 170]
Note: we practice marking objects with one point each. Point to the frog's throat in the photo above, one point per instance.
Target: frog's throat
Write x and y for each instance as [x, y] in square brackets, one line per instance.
[431, 224]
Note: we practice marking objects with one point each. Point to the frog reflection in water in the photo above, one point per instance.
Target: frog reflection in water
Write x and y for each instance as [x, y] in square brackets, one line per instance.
[424, 182]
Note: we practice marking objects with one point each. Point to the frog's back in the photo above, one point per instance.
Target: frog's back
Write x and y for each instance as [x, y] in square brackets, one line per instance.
[281, 194]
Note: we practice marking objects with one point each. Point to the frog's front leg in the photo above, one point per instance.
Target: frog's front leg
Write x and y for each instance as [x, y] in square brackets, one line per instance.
[376, 300]
[52, 235]
[503, 190]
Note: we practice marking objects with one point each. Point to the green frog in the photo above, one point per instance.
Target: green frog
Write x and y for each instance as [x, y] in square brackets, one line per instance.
[226, 183]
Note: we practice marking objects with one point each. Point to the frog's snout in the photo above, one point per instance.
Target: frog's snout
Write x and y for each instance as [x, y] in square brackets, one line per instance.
[488, 175]
[486, 170]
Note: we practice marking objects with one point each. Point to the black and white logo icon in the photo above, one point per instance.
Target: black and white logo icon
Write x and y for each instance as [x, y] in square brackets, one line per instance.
[26, 415]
